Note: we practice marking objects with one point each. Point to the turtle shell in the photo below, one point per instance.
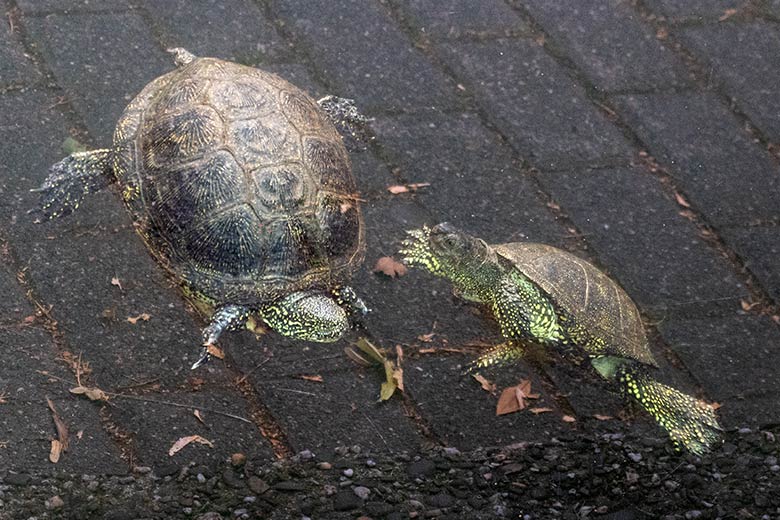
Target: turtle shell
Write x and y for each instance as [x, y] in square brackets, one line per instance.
[594, 300]
[238, 183]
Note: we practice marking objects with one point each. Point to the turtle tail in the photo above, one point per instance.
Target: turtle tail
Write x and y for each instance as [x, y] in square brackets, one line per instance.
[71, 179]
[690, 423]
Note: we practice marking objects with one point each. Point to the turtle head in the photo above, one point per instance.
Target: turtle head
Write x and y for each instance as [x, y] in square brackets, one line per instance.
[308, 316]
[444, 250]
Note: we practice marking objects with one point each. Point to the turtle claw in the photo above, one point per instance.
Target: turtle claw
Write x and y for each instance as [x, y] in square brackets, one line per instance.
[204, 358]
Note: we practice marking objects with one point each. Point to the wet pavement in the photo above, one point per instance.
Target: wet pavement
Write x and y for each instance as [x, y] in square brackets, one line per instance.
[641, 135]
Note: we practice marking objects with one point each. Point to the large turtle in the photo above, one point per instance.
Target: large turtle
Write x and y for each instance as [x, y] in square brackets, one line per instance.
[548, 296]
[241, 187]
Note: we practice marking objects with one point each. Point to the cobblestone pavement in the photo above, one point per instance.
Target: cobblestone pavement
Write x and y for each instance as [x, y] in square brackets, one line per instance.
[643, 135]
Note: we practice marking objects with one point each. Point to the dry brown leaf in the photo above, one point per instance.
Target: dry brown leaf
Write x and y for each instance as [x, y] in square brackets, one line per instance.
[115, 281]
[143, 316]
[56, 451]
[29, 319]
[747, 306]
[315, 378]
[426, 338]
[75, 363]
[515, 398]
[388, 266]
[93, 393]
[3, 398]
[405, 188]
[62, 428]
[713, 405]
[728, 13]
[486, 385]
[181, 443]
[568, 418]
[661, 34]
[215, 351]
[603, 417]
[357, 358]
[537, 411]
[681, 200]
[198, 416]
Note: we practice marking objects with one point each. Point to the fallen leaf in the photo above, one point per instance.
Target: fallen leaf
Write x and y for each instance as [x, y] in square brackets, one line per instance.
[568, 418]
[747, 306]
[29, 319]
[714, 406]
[315, 378]
[388, 386]
[198, 416]
[426, 338]
[215, 351]
[93, 393]
[3, 398]
[681, 200]
[75, 363]
[368, 348]
[728, 13]
[405, 188]
[486, 385]
[56, 451]
[143, 316]
[661, 34]
[515, 398]
[537, 411]
[357, 358]
[181, 443]
[388, 266]
[603, 417]
[62, 428]
[115, 281]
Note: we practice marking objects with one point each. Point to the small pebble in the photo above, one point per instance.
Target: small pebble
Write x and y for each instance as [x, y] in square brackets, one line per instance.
[774, 469]
[636, 457]
[370, 463]
[238, 459]
[201, 478]
[54, 502]
[325, 465]
[348, 472]
[693, 514]
[362, 492]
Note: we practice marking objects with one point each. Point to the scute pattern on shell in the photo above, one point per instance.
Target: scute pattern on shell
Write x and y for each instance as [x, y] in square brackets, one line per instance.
[238, 183]
[590, 296]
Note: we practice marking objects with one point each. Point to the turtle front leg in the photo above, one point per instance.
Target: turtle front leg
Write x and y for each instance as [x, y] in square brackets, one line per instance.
[72, 178]
[356, 308]
[226, 317]
[351, 124]
[310, 316]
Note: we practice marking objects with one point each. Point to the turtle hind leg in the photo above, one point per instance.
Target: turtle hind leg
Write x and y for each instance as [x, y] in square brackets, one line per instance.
[351, 124]
[498, 356]
[72, 178]
[691, 424]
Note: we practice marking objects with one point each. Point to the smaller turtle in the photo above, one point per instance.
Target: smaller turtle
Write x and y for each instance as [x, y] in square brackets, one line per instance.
[544, 295]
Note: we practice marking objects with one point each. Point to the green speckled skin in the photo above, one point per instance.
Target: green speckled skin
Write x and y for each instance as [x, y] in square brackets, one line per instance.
[544, 295]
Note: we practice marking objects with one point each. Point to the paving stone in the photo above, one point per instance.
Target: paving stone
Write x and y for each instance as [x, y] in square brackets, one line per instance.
[464, 415]
[699, 9]
[735, 359]
[639, 237]
[342, 410]
[539, 108]
[157, 426]
[68, 6]
[360, 50]
[457, 18]
[15, 67]
[728, 177]
[746, 57]
[474, 181]
[102, 61]
[231, 29]
[29, 373]
[611, 42]
[759, 248]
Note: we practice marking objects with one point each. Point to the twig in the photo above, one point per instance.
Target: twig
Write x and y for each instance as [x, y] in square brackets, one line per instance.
[266, 360]
[179, 405]
[296, 391]
[374, 426]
